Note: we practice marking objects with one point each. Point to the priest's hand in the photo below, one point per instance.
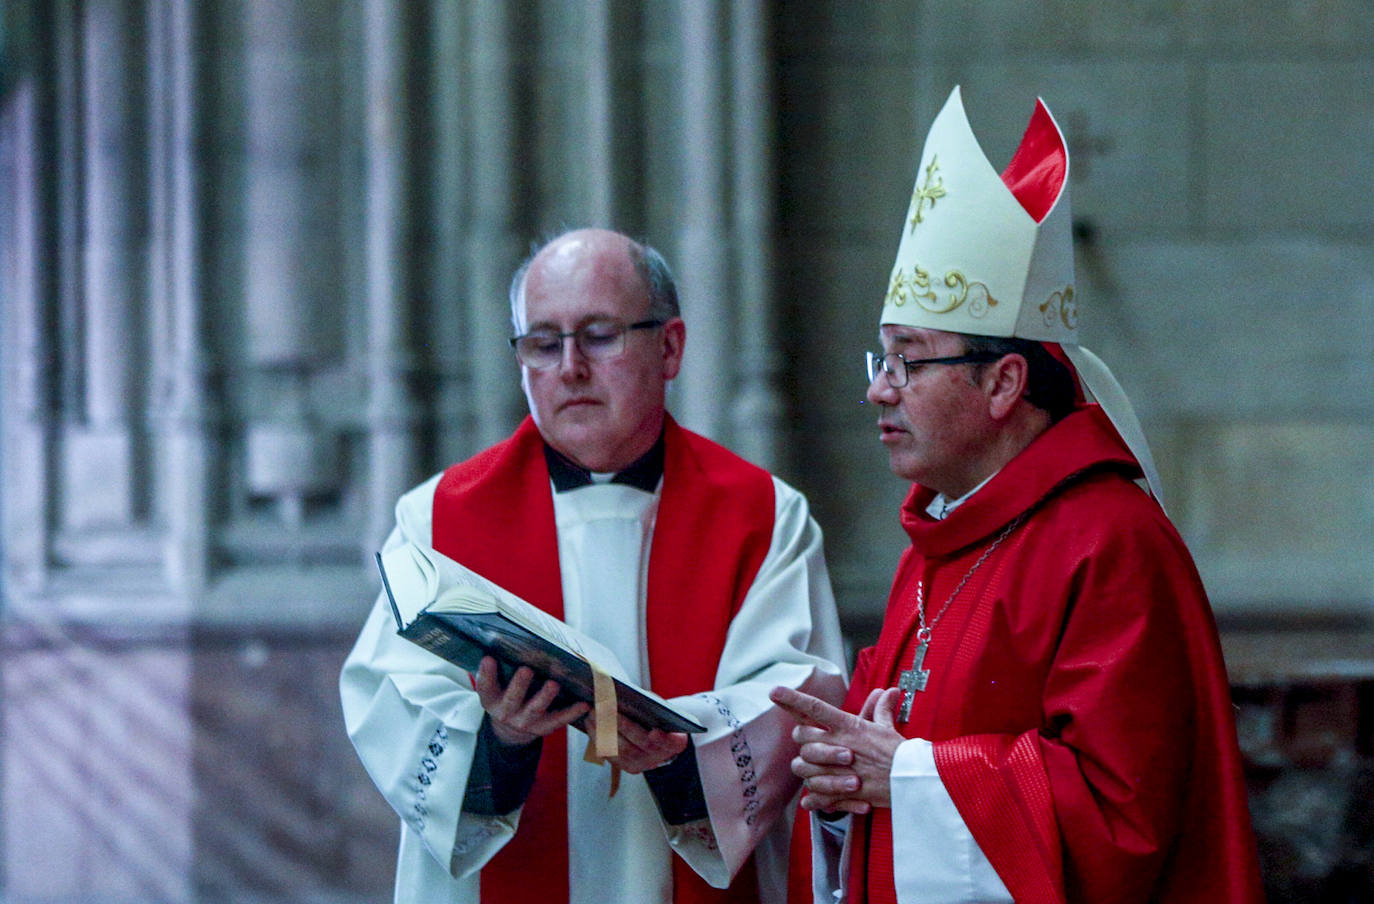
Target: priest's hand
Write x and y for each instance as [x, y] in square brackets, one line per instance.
[844, 760]
[517, 718]
[641, 749]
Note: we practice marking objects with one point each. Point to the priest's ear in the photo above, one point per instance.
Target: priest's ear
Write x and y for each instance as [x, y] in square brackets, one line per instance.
[674, 338]
[1005, 381]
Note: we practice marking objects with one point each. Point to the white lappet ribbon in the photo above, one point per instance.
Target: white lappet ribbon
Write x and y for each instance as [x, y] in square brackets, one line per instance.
[1099, 381]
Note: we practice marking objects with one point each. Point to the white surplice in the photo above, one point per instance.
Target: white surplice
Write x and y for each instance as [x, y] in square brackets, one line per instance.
[413, 717]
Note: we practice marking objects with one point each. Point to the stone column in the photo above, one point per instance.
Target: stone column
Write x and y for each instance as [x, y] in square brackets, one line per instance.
[101, 455]
[68, 108]
[757, 412]
[184, 409]
[598, 60]
[455, 406]
[25, 338]
[612, 131]
[291, 294]
[703, 261]
[493, 246]
[393, 411]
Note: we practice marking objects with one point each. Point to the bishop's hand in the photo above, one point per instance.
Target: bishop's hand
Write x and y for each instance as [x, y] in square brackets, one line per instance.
[516, 716]
[844, 760]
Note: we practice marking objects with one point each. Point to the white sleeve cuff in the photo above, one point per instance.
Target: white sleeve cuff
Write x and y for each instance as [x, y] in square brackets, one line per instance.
[935, 858]
[915, 759]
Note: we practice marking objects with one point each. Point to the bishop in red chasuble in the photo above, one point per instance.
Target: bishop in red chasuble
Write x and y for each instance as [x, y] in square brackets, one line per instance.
[1045, 716]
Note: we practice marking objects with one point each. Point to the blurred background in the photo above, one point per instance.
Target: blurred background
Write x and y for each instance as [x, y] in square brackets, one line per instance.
[253, 268]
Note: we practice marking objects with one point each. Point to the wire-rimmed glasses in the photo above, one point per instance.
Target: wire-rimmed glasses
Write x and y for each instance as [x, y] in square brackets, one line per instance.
[597, 340]
[898, 369]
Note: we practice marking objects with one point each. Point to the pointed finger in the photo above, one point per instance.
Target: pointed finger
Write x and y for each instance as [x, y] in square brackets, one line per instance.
[808, 709]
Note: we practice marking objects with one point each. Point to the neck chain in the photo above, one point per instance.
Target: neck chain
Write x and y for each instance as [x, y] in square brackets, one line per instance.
[914, 679]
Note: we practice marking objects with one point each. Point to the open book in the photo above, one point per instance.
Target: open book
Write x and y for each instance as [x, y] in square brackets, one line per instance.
[457, 614]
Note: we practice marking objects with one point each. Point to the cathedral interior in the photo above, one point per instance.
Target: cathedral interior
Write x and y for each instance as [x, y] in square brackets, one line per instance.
[254, 258]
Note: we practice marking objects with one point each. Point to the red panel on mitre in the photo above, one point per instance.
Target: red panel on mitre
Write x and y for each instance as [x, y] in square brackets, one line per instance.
[1040, 165]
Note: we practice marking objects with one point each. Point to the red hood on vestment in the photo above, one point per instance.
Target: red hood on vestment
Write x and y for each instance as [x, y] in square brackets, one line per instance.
[1086, 440]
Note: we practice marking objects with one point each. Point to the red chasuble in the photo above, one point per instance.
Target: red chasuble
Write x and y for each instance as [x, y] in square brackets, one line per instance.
[494, 514]
[1077, 697]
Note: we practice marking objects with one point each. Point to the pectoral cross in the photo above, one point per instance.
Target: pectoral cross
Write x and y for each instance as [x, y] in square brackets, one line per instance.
[912, 680]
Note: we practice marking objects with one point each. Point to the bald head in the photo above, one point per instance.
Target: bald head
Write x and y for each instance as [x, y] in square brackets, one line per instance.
[653, 271]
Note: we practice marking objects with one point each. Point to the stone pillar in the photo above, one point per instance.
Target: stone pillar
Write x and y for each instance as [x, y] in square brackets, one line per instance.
[599, 63]
[183, 409]
[102, 452]
[291, 293]
[68, 108]
[703, 261]
[451, 354]
[757, 411]
[612, 131]
[393, 411]
[493, 246]
[25, 338]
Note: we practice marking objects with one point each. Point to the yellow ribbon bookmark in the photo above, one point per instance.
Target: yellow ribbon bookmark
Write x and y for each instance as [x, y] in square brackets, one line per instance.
[607, 714]
[606, 743]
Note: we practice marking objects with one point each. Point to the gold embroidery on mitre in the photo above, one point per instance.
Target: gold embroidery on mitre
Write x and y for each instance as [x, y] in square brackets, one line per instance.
[915, 286]
[981, 298]
[927, 192]
[1061, 306]
[902, 287]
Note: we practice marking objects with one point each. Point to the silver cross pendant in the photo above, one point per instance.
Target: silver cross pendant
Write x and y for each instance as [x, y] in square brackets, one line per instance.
[912, 680]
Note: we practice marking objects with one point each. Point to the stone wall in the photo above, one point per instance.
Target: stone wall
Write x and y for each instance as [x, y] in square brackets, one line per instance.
[1224, 254]
[253, 263]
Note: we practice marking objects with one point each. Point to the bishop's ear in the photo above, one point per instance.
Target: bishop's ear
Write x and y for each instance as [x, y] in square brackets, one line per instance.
[1005, 381]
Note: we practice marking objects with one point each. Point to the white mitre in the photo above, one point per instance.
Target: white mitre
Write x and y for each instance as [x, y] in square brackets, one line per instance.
[992, 255]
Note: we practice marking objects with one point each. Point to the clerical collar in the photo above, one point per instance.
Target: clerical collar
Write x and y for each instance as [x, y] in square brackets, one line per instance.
[642, 473]
[941, 507]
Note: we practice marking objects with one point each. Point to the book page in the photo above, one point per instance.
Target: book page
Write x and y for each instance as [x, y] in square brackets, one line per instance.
[421, 577]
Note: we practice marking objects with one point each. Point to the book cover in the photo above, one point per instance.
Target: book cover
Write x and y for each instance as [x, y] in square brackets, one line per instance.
[456, 614]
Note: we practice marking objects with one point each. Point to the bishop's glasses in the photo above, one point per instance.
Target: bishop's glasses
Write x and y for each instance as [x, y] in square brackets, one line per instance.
[898, 369]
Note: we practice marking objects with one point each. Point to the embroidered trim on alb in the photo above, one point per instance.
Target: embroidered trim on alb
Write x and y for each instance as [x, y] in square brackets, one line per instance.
[744, 760]
[438, 743]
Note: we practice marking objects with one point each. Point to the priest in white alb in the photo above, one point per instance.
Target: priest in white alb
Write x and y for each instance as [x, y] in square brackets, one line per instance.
[702, 573]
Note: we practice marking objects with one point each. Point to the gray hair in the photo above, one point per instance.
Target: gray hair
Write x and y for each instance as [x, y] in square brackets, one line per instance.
[648, 263]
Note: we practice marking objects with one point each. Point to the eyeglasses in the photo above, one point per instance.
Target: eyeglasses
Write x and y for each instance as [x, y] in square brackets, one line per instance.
[598, 340]
[898, 369]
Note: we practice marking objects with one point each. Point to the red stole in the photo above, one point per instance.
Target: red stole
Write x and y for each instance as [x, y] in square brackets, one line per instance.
[494, 514]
